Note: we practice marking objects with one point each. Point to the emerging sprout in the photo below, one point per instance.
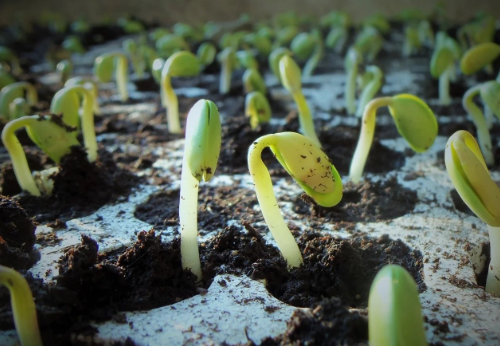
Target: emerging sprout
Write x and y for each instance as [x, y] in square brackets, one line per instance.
[470, 176]
[180, 64]
[227, 59]
[103, 70]
[308, 166]
[23, 307]
[285, 35]
[7, 56]
[378, 22]
[170, 44]
[274, 60]
[369, 42]
[73, 44]
[261, 43]
[290, 78]
[201, 154]
[443, 65]
[310, 47]
[156, 69]
[336, 38]
[479, 57]
[136, 57]
[15, 91]
[257, 108]
[412, 43]
[394, 311]
[206, 53]
[351, 62]
[65, 69]
[89, 84]
[253, 81]
[246, 59]
[374, 77]
[414, 120]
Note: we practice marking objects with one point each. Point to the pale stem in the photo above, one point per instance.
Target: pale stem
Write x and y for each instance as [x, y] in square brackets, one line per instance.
[268, 203]
[350, 89]
[340, 43]
[188, 217]
[172, 105]
[489, 117]
[225, 77]
[17, 155]
[121, 77]
[305, 118]
[444, 88]
[313, 61]
[493, 279]
[366, 137]
[483, 134]
[23, 307]
[369, 92]
[88, 128]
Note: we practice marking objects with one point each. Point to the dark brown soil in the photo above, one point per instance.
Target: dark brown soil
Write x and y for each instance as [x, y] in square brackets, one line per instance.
[80, 187]
[17, 236]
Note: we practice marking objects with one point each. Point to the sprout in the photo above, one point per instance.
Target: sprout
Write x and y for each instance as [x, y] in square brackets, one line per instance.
[290, 78]
[187, 32]
[206, 53]
[80, 26]
[308, 166]
[49, 133]
[285, 35]
[180, 64]
[136, 57]
[227, 59]
[414, 120]
[378, 22]
[469, 174]
[253, 81]
[274, 60]
[170, 44]
[351, 62]
[259, 42]
[394, 311]
[336, 38]
[23, 307]
[412, 43]
[489, 92]
[7, 56]
[443, 64]
[374, 76]
[156, 69]
[89, 84]
[201, 154]
[425, 33]
[246, 60]
[73, 44]
[14, 91]
[479, 31]
[158, 33]
[369, 43]
[65, 68]
[233, 40]
[67, 102]
[257, 108]
[308, 46]
[5, 78]
[479, 57]
[336, 19]
[103, 70]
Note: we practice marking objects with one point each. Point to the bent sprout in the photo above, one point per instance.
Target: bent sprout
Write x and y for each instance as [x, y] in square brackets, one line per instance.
[201, 154]
[103, 70]
[253, 81]
[394, 311]
[274, 60]
[180, 64]
[206, 53]
[469, 174]
[442, 65]
[309, 167]
[414, 120]
[479, 57]
[12, 92]
[65, 69]
[375, 77]
[89, 84]
[351, 62]
[257, 108]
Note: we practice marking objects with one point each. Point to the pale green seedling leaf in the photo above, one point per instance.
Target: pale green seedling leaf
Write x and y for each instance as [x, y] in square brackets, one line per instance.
[290, 74]
[490, 94]
[257, 108]
[275, 57]
[182, 64]
[478, 57]
[441, 60]
[103, 67]
[206, 53]
[303, 45]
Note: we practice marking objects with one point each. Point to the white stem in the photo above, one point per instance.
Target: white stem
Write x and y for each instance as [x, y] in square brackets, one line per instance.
[493, 280]
[444, 88]
[268, 203]
[305, 118]
[489, 117]
[188, 217]
[88, 128]
[122, 76]
[172, 104]
[225, 78]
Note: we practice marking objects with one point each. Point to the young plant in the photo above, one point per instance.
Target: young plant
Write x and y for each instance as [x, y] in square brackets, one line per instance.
[89, 84]
[394, 311]
[412, 43]
[274, 60]
[285, 35]
[469, 174]
[10, 93]
[308, 166]
[227, 60]
[73, 44]
[337, 38]
[103, 70]
[442, 65]
[374, 77]
[23, 307]
[489, 93]
[351, 62]
[206, 53]
[479, 57]
[180, 64]
[253, 81]
[245, 59]
[414, 120]
[201, 154]
[137, 59]
[170, 44]
[369, 42]
[65, 69]
[261, 43]
[290, 78]
[8, 56]
[308, 47]
[156, 69]
[257, 109]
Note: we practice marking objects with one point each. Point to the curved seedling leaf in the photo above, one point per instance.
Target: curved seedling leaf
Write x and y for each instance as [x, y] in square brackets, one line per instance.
[206, 53]
[490, 94]
[103, 67]
[275, 57]
[442, 59]
[415, 121]
[253, 81]
[470, 176]
[246, 60]
[290, 74]
[182, 64]
[303, 45]
[478, 57]
[257, 108]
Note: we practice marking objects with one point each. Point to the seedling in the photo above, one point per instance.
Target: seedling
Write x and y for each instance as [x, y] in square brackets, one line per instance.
[290, 78]
[135, 55]
[285, 35]
[442, 65]
[262, 44]
[274, 60]
[246, 60]
[103, 70]
[412, 43]
[170, 44]
[257, 109]
[89, 84]
[73, 44]
[156, 69]
[180, 64]
[481, 30]
[425, 33]
[469, 174]
[206, 53]
[337, 38]
[308, 166]
[187, 32]
[8, 56]
[310, 47]
[394, 311]
[12, 92]
[351, 62]
[479, 57]
[378, 22]
[369, 42]
[253, 81]
[414, 120]
[374, 78]
[227, 60]
[65, 69]
[201, 154]
[23, 307]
